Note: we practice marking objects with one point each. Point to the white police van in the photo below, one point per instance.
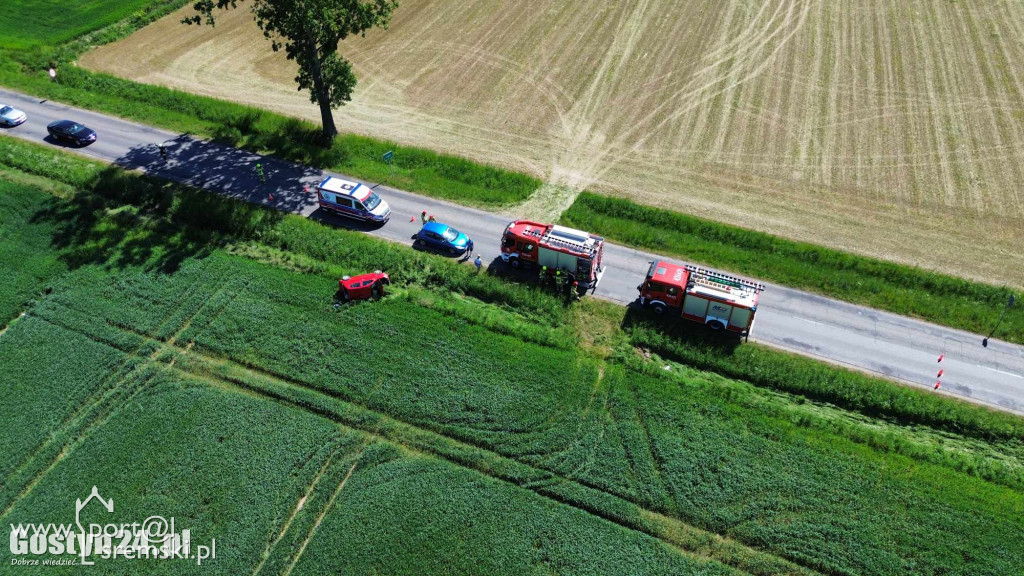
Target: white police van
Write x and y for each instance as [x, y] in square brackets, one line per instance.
[352, 200]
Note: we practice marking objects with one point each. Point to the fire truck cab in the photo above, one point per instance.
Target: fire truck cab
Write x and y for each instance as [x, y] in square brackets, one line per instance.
[558, 248]
[720, 301]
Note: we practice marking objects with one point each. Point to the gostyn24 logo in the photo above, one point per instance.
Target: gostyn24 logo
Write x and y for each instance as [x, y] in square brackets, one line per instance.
[58, 544]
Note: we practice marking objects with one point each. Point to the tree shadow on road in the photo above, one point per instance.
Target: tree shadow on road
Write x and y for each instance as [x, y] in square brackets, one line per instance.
[230, 172]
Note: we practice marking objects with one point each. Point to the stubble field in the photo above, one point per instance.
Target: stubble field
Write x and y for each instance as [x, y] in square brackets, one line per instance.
[893, 129]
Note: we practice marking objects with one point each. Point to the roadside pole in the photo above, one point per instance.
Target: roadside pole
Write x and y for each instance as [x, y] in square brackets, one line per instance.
[1009, 304]
[389, 158]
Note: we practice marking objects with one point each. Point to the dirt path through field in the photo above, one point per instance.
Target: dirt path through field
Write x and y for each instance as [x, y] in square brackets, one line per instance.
[893, 129]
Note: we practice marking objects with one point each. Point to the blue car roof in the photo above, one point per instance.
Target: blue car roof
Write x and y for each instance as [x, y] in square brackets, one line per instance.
[436, 227]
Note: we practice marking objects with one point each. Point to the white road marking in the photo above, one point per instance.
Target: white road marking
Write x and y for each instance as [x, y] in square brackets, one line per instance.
[1000, 371]
[810, 321]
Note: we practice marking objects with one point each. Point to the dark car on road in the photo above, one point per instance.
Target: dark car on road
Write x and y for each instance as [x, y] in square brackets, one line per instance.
[442, 237]
[73, 132]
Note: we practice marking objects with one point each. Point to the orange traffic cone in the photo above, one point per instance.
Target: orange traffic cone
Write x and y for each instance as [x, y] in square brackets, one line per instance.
[412, 218]
[306, 188]
[941, 356]
[270, 197]
[937, 384]
[939, 375]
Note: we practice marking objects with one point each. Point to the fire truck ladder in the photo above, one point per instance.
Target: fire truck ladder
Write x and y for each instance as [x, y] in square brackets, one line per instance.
[561, 242]
[717, 279]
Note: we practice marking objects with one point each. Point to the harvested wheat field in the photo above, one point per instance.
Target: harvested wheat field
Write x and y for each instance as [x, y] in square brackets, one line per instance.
[892, 128]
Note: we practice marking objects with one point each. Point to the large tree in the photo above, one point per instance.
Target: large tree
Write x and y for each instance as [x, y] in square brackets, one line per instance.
[309, 31]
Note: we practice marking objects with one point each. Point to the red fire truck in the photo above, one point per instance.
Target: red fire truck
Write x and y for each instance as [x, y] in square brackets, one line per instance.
[558, 248]
[718, 300]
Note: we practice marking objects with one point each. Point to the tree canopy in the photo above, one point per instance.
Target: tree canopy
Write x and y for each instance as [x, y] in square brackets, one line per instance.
[309, 32]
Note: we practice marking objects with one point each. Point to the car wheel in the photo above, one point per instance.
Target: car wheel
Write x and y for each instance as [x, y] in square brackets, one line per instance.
[658, 308]
[453, 251]
[514, 262]
[420, 243]
[716, 325]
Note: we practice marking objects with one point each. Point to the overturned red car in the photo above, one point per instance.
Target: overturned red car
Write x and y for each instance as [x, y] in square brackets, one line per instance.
[363, 287]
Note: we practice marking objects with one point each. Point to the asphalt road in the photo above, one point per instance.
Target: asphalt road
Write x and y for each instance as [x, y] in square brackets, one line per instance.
[885, 344]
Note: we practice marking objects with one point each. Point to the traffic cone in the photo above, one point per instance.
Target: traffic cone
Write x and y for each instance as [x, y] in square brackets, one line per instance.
[412, 218]
[937, 384]
[939, 375]
[270, 197]
[306, 188]
[941, 356]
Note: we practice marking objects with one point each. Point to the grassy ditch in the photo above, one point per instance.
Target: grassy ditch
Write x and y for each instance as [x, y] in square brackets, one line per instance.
[905, 290]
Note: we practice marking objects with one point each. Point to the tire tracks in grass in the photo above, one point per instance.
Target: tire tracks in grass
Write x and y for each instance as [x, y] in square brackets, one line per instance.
[102, 404]
[105, 393]
[69, 447]
[649, 453]
[320, 517]
[420, 439]
[299, 505]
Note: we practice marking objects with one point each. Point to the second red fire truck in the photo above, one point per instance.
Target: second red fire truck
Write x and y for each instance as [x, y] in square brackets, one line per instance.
[720, 301]
[557, 248]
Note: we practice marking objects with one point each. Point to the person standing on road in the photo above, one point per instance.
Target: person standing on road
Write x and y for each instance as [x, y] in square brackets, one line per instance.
[163, 153]
[478, 263]
[423, 217]
[469, 250]
[259, 172]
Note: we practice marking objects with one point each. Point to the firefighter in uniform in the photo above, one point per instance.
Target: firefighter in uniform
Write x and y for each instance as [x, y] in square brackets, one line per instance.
[542, 276]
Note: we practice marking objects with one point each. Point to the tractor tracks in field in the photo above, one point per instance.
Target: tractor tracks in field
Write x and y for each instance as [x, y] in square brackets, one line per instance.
[337, 406]
[96, 409]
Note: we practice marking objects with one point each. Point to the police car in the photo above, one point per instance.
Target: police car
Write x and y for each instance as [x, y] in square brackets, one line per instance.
[352, 200]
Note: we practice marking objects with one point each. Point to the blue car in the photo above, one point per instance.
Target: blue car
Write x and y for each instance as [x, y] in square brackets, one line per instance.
[442, 237]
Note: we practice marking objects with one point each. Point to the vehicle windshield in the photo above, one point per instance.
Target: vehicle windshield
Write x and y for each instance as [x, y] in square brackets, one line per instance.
[451, 234]
[372, 201]
[76, 128]
[5, 110]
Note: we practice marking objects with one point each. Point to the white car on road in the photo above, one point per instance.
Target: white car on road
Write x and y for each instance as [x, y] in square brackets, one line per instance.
[11, 116]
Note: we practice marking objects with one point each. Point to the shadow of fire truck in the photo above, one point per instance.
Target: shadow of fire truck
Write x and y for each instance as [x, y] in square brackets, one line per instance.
[666, 333]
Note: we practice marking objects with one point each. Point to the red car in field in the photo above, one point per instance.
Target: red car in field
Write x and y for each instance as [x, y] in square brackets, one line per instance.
[363, 286]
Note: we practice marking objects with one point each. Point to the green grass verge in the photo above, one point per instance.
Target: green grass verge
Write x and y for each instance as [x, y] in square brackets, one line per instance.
[906, 290]
[195, 220]
[414, 169]
[771, 368]
[669, 457]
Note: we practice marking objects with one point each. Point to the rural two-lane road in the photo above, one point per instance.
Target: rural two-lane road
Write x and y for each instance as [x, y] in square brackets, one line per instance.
[893, 346]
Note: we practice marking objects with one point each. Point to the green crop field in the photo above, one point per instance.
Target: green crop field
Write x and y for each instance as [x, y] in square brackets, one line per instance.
[464, 424]
[29, 23]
